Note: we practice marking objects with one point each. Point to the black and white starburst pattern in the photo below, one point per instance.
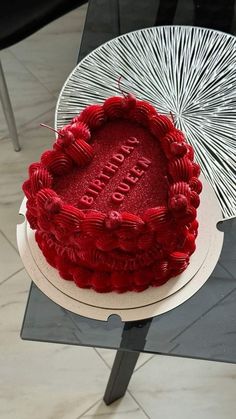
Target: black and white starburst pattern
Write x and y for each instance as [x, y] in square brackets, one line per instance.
[188, 71]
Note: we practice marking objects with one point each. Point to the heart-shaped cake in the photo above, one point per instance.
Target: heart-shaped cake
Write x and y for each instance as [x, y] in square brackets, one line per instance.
[114, 202]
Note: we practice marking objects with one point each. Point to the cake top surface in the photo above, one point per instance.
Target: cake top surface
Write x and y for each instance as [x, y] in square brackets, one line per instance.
[128, 171]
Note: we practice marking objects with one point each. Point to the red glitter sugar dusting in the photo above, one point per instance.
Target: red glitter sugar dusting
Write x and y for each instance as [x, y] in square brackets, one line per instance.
[149, 189]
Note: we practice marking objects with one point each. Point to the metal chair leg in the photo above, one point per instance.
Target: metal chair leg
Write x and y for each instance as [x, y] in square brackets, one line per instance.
[7, 109]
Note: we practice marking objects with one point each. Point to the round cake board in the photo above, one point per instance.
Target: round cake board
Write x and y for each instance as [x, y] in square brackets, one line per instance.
[131, 305]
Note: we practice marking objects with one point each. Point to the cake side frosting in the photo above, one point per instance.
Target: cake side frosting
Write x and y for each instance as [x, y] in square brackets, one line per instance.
[115, 250]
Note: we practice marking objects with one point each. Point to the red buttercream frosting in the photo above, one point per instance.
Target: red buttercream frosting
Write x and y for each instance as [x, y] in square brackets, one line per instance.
[114, 203]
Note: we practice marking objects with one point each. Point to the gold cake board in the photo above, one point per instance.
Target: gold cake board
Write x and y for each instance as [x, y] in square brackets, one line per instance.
[131, 305]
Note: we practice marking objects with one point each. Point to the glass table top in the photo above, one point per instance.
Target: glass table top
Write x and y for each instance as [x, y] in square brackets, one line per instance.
[107, 19]
[205, 325]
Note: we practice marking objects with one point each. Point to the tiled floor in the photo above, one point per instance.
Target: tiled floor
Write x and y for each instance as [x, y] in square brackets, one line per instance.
[48, 381]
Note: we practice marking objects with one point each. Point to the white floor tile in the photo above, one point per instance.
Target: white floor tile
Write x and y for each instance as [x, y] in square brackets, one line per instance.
[182, 388]
[29, 97]
[52, 53]
[9, 261]
[42, 380]
[13, 298]
[124, 408]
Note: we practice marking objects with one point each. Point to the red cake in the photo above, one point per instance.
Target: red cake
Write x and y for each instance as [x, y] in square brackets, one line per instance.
[113, 204]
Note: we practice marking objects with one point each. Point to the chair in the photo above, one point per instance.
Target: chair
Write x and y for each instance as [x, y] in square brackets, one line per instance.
[19, 19]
